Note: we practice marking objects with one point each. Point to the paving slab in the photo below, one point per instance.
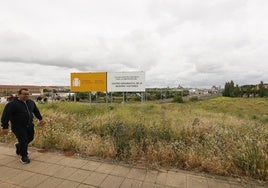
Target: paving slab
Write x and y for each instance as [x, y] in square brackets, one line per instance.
[137, 174]
[95, 179]
[50, 182]
[129, 183]
[121, 170]
[197, 181]
[112, 182]
[151, 176]
[80, 175]
[68, 184]
[176, 179]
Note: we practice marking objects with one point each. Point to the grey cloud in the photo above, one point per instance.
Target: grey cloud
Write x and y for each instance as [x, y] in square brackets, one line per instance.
[187, 42]
[18, 46]
[172, 15]
[135, 51]
[193, 10]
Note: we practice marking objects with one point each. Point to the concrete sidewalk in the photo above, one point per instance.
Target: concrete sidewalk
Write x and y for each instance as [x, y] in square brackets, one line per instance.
[50, 170]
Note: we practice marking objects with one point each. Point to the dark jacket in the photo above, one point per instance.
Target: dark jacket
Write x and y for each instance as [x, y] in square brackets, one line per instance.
[20, 113]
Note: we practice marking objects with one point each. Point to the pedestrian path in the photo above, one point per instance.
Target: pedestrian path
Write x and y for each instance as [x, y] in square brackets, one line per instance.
[52, 169]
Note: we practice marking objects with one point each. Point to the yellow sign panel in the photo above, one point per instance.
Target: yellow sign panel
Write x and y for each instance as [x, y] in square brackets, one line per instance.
[88, 81]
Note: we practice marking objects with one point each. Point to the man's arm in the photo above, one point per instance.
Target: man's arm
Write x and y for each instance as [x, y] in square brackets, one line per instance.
[5, 118]
[36, 112]
[38, 115]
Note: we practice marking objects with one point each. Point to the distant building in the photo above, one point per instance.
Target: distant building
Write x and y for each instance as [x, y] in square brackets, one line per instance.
[6, 90]
[213, 90]
[193, 91]
[265, 86]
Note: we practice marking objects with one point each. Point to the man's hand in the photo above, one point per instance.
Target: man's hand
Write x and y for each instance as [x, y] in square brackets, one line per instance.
[42, 122]
[5, 131]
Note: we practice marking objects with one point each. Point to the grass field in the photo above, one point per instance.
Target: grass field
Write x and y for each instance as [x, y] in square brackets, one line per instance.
[224, 136]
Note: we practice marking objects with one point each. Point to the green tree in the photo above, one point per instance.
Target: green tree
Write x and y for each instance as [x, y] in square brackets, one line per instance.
[262, 89]
[229, 89]
[237, 91]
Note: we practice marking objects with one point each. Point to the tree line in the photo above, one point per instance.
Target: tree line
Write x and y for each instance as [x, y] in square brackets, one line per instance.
[232, 90]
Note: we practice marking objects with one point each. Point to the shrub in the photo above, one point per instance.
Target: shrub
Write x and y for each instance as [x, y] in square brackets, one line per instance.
[193, 99]
[177, 99]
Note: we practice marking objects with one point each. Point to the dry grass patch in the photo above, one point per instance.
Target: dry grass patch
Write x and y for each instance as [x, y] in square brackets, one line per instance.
[220, 136]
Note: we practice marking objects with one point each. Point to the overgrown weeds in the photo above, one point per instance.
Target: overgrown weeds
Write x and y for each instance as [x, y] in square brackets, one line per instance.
[216, 136]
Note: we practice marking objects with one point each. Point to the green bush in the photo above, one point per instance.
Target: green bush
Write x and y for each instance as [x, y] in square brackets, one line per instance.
[193, 99]
[177, 99]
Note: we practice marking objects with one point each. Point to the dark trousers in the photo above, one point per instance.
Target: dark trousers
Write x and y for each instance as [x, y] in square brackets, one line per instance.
[24, 135]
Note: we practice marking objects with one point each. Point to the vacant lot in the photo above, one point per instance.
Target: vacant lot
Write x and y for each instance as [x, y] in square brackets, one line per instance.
[225, 136]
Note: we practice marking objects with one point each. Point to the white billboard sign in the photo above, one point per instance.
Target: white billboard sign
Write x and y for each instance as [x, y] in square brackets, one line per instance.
[125, 81]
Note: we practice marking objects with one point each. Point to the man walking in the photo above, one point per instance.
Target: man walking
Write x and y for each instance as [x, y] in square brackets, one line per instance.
[20, 112]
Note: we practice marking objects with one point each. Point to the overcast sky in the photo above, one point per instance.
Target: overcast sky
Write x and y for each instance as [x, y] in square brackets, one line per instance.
[192, 43]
